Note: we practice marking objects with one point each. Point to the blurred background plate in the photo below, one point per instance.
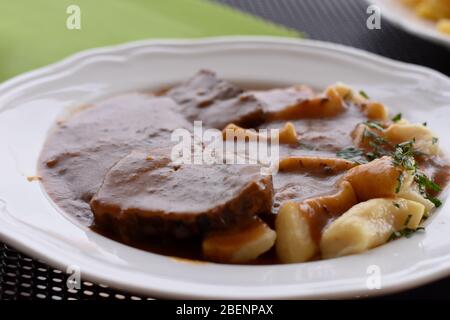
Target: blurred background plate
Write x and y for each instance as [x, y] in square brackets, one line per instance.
[399, 14]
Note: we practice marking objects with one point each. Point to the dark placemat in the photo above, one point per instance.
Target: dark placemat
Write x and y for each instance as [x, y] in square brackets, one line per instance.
[24, 278]
[340, 21]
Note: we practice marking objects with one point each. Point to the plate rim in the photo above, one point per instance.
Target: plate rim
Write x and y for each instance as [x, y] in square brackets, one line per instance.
[55, 66]
[9, 85]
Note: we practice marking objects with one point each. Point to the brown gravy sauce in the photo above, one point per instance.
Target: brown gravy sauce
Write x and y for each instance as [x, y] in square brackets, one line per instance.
[82, 148]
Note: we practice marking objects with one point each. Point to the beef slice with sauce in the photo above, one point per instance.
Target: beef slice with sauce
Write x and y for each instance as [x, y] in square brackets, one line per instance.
[146, 195]
[276, 100]
[252, 108]
[201, 91]
[322, 137]
[83, 147]
[218, 102]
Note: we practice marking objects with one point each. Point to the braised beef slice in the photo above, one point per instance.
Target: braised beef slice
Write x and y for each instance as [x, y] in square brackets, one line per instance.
[218, 103]
[201, 91]
[85, 146]
[146, 195]
[276, 100]
[244, 111]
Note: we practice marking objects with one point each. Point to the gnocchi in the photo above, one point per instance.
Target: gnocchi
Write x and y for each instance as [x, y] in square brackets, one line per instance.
[297, 237]
[239, 245]
[369, 224]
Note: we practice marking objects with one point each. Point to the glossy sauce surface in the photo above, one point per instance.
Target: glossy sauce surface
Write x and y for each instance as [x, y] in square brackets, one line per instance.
[81, 149]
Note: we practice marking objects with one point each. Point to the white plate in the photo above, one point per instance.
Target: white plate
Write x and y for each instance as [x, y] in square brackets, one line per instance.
[29, 221]
[401, 15]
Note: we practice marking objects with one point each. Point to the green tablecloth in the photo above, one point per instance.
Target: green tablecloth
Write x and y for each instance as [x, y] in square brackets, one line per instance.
[33, 33]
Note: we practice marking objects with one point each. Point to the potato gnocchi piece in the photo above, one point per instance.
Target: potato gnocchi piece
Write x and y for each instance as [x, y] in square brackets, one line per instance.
[344, 91]
[358, 136]
[317, 164]
[369, 224]
[373, 110]
[414, 195]
[336, 204]
[297, 238]
[232, 131]
[294, 241]
[349, 94]
[425, 140]
[402, 131]
[286, 135]
[239, 245]
[378, 179]
[381, 178]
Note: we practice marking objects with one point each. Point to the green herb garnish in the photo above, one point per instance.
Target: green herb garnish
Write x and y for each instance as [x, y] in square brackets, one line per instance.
[426, 183]
[374, 125]
[397, 117]
[437, 203]
[353, 154]
[361, 92]
[407, 233]
[403, 155]
[306, 146]
[367, 134]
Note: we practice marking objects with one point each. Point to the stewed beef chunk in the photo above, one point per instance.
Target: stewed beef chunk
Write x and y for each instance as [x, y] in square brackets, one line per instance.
[85, 145]
[146, 195]
[217, 102]
[201, 91]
